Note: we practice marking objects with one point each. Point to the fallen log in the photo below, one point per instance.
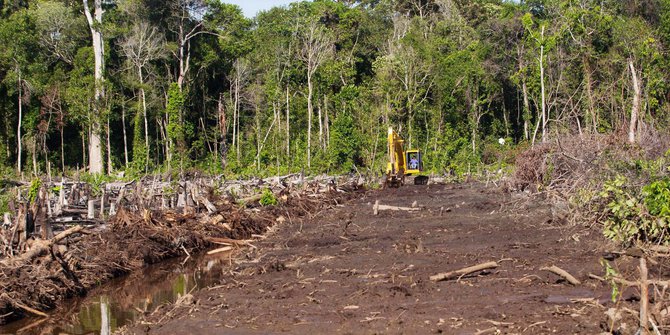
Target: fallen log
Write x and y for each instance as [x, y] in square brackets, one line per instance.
[377, 207]
[558, 271]
[462, 272]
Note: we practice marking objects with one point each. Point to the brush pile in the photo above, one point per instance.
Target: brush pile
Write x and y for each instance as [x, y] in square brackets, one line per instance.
[47, 270]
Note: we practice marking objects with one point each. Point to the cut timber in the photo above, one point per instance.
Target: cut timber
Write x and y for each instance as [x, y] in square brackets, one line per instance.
[556, 270]
[377, 207]
[463, 272]
[216, 251]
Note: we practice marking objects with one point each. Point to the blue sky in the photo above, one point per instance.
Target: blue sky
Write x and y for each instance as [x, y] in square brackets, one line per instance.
[251, 7]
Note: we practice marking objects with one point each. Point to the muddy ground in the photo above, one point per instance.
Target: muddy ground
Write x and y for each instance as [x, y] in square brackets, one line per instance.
[346, 270]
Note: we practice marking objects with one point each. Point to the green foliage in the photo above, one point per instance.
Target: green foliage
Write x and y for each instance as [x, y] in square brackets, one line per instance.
[610, 275]
[139, 147]
[175, 127]
[657, 200]
[268, 198]
[623, 209]
[634, 214]
[34, 190]
[5, 198]
[345, 143]
[449, 79]
[96, 181]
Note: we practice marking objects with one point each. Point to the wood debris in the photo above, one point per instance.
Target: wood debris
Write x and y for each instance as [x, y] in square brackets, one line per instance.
[556, 270]
[462, 272]
[47, 255]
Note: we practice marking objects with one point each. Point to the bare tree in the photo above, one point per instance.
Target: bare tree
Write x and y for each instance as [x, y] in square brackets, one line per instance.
[409, 70]
[317, 47]
[524, 91]
[187, 24]
[95, 24]
[53, 107]
[542, 89]
[142, 45]
[635, 108]
[238, 81]
[24, 90]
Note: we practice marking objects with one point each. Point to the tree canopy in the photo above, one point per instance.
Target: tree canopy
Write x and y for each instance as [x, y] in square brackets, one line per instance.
[314, 85]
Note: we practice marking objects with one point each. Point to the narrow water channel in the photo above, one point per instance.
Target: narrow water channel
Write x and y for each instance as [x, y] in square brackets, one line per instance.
[125, 299]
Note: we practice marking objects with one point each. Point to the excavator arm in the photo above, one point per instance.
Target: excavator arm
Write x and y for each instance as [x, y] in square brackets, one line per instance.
[395, 169]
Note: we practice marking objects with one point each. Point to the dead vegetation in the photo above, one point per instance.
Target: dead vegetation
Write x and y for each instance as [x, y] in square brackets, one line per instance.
[44, 271]
[571, 173]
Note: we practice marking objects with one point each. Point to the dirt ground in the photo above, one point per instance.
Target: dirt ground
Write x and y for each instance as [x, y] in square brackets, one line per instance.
[345, 270]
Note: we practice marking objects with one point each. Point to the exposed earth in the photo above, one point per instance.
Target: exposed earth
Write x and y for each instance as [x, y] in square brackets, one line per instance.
[345, 270]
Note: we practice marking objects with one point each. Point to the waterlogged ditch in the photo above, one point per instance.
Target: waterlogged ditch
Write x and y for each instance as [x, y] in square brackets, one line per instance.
[123, 300]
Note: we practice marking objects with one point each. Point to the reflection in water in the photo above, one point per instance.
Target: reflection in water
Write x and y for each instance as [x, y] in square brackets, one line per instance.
[123, 300]
[105, 326]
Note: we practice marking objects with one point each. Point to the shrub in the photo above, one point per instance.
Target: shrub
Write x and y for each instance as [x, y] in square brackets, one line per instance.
[268, 198]
[634, 214]
[34, 190]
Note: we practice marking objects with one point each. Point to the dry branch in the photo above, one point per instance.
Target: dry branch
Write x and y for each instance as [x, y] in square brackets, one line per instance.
[556, 270]
[219, 250]
[228, 241]
[30, 310]
[463, 272]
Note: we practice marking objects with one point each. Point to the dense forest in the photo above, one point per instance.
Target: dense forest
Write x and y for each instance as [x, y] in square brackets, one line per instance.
[146, 85]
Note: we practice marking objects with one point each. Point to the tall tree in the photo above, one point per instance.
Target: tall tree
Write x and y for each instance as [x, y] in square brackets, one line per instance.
[316, 47]
[142, 45]
[94, 20]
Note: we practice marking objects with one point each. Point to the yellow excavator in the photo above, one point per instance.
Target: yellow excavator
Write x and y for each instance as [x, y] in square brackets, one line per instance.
[402, 163]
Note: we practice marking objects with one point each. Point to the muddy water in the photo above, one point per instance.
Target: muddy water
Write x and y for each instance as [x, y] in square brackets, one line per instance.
[125, 299]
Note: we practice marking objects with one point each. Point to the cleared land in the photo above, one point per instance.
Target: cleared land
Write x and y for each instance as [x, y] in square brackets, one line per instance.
[346, 270]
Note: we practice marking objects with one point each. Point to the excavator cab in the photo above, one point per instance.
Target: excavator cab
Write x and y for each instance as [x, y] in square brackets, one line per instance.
[415, 166]
[414, 162]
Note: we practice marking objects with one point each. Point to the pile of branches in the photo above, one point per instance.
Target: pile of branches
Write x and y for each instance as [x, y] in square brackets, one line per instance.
[572, 170]
[78, 259]
[569, 163]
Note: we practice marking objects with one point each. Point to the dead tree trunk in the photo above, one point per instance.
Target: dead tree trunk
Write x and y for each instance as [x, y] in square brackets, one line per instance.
[18, 127]
[635, 109]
